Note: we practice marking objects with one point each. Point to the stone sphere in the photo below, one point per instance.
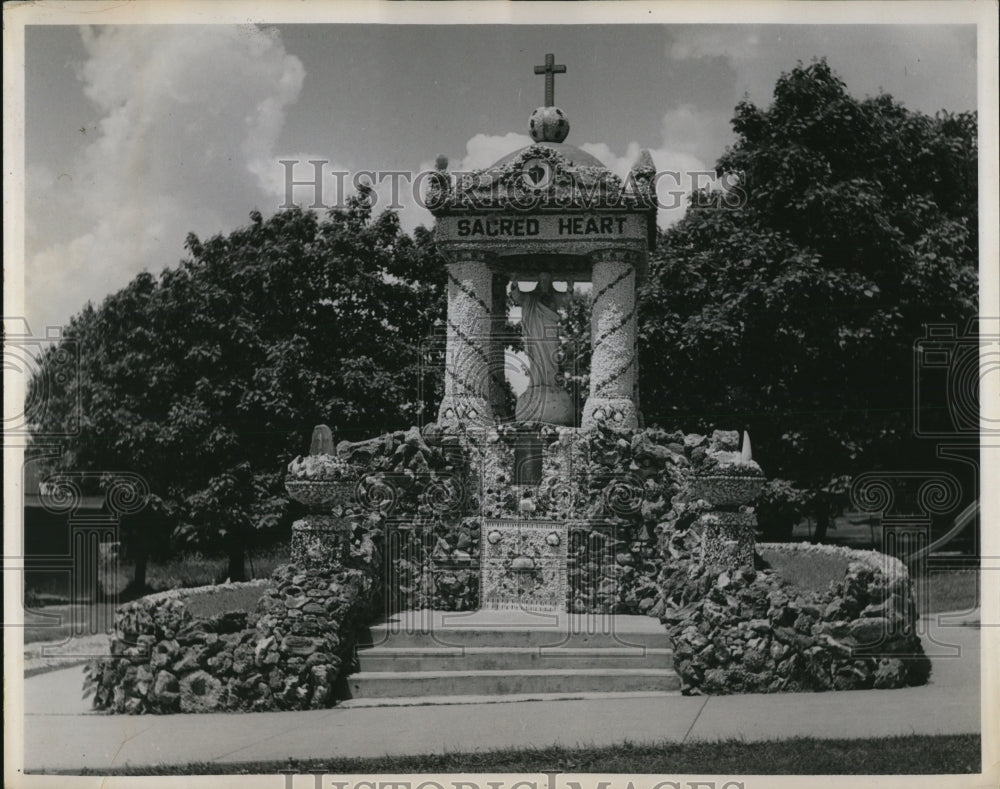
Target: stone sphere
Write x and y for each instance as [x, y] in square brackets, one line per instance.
[548, 124]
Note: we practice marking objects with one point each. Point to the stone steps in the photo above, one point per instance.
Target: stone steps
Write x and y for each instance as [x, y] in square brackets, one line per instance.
[489, 658]
[502, 682]
[515, 629]
[497, 655]
[509, 698]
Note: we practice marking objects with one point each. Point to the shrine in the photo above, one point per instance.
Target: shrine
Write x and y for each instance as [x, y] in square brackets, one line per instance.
[546, 213]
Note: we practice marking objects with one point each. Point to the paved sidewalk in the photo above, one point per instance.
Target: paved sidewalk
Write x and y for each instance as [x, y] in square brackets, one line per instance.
[61, 735]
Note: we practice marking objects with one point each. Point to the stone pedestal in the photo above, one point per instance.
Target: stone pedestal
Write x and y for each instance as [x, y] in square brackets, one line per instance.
[468, 353]
[613, 328]
[545, 403]
[728, 538]
[728, 528]
[319, 539]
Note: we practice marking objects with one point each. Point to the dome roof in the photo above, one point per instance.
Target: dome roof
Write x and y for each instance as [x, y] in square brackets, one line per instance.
[575, 157]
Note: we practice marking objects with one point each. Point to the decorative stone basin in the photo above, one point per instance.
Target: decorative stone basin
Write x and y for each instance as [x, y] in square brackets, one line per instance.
[320, 492]
[727, 490]
[522, 564]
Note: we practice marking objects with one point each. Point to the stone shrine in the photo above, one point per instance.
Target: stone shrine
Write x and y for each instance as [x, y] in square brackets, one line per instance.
[548, 212]
[539, 509]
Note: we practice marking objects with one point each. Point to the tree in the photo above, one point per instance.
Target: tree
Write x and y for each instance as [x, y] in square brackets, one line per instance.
[789, 303]
[209, 378]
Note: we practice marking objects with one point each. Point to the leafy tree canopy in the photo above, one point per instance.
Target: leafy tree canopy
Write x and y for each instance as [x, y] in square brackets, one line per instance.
[791, 302]
[208, 378]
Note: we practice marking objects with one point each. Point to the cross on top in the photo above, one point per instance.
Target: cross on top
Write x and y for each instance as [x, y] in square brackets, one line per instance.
[550, 69]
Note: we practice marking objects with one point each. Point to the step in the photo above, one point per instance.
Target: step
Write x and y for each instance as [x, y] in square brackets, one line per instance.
[383, 658]
[510, 698]
[515, 629]
[502, 682]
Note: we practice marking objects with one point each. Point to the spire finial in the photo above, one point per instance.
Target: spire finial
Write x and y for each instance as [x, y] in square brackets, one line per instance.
[550, 69]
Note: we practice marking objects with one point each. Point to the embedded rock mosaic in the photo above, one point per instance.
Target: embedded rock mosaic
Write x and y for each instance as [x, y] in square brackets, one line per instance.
[749, 631]
[286, 653]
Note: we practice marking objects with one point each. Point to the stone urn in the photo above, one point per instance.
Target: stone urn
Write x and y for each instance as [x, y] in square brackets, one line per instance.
[325, 485]
[320, 481]
[320, 493]
[726, 489]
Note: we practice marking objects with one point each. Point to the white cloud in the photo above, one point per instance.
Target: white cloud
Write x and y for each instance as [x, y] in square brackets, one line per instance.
[676, 159]
[189, 117]
[711, 41]
[619, 165]
[482, 150]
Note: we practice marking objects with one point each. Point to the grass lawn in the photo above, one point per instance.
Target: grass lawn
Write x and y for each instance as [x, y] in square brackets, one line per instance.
[195, 569]
[242, 598]
[914, 755]
[58, 622]
[950, 590]
[942, 590]
[806, 570]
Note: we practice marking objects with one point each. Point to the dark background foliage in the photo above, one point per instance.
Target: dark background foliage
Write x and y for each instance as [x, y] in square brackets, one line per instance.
[207, 379]
[789, 306]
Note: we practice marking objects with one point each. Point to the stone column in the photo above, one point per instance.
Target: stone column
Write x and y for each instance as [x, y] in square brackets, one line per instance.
[498, 325]
[467, 356]
[613, 330]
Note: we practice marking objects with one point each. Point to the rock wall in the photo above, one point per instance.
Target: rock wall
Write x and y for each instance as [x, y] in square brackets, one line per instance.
[655, 522]
[287, 653]
[164, 659]
[749, 631]
[424, 490]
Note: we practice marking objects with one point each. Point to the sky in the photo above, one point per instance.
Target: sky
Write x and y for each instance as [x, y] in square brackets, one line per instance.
[137, 135]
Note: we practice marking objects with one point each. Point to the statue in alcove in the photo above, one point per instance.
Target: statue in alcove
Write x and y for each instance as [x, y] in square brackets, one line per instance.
[545, 400]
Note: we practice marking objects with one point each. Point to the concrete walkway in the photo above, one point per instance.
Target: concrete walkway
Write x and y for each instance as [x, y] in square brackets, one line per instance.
[60, 733]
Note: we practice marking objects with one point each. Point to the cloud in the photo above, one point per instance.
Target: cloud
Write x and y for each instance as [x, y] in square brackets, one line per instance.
[677, 159]
[920, 65]
[733, 43]
[189, 119]
[482, 150]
